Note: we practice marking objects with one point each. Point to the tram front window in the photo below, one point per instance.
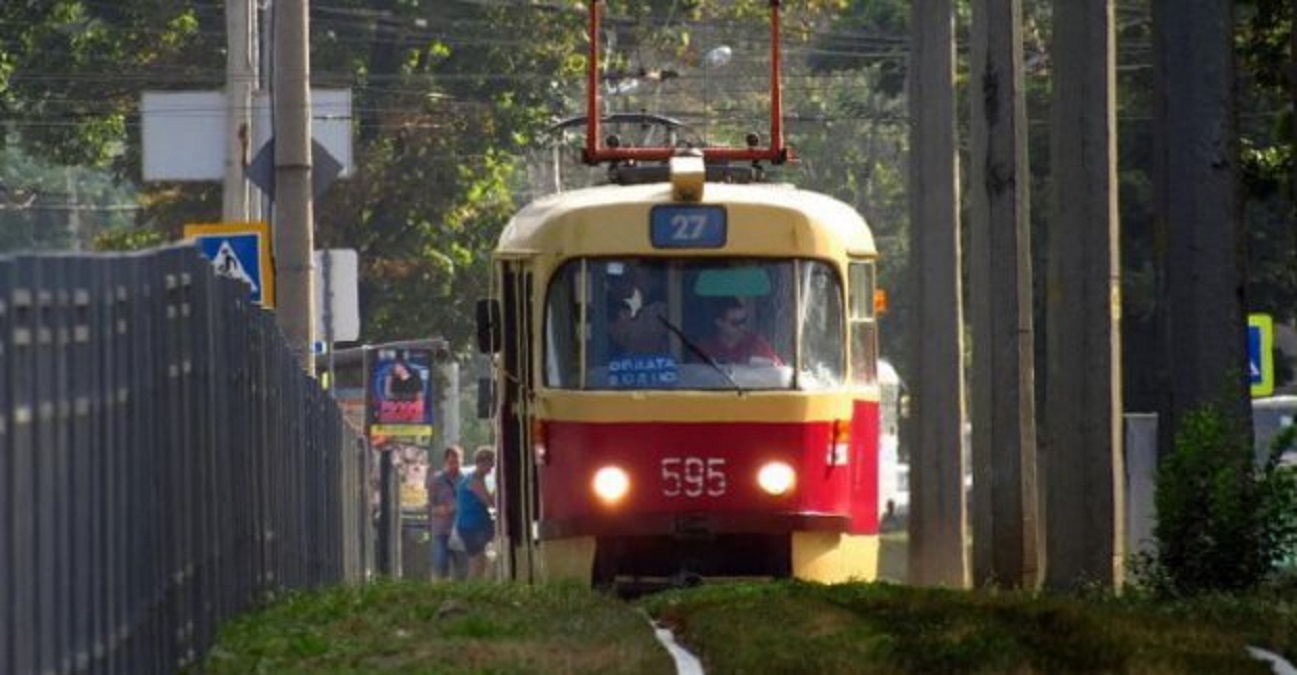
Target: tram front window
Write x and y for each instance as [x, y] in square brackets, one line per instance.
[694, 324]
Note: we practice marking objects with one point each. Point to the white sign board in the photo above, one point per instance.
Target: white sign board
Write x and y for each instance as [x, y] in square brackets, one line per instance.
[184, 131]
[337, 296]
[183, 135]
[330, 124]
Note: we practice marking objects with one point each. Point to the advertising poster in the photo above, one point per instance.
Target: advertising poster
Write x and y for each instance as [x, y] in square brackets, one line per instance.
[401, 406]
[401, 391]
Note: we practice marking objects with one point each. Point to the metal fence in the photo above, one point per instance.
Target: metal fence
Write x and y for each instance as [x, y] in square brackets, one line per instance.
[165, 463]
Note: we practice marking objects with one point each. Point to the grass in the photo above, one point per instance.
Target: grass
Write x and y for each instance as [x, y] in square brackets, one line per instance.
[793, 627]
[768, 627]
[418, 627]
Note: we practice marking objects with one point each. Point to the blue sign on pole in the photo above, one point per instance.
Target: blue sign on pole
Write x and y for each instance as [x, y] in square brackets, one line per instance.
[1254, 354]
[239, 251]
[1260, 356]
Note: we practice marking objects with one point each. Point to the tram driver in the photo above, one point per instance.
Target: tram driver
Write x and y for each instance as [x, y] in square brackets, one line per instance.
[733, 339]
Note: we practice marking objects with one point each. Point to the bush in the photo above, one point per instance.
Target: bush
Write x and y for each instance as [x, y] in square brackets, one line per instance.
[1222, 523]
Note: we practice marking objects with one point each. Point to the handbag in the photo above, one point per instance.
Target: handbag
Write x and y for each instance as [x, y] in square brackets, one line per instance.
[456, 542]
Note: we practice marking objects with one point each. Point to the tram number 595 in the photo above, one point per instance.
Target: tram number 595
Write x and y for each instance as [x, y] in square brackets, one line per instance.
[693, 476]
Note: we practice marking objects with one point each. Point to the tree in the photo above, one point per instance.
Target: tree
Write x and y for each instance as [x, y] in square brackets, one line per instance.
[1268, 140]
[71, 71]
[446, 106]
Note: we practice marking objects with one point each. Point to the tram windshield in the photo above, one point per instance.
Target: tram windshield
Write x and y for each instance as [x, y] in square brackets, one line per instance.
[694, 323]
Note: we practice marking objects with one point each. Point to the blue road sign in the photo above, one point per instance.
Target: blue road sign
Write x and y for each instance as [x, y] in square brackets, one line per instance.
[1260, 354]
[239, 251]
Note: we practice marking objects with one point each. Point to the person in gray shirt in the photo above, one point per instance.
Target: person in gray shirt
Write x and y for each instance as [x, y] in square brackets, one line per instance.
[441, 510]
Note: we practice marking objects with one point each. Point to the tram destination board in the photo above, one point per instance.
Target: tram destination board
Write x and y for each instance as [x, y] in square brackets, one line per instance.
[694, 226]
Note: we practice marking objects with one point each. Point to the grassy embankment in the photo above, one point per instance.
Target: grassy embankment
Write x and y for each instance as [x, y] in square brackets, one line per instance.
[418, 627]
[786, 627]
[795, 627]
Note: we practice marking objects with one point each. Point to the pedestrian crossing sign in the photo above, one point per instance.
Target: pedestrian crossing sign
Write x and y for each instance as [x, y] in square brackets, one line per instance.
[239, 251]
[1260, 354]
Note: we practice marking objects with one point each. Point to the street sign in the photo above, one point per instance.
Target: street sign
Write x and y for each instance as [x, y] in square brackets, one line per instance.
[185, 134]
[337, 295]
[1260, 354]
[324, 169]
[239, 251]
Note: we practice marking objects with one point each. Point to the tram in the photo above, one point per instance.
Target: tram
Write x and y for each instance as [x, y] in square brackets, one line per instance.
[685, 374]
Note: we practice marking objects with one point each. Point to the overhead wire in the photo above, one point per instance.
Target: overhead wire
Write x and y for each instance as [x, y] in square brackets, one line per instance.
[395, 29]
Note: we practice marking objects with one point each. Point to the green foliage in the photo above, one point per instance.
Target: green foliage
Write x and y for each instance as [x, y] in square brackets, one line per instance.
[1222, 523]
[448, 95]
[45, 206]
[70, 71]
[128, 239]
[1267, 134]
[852, 136]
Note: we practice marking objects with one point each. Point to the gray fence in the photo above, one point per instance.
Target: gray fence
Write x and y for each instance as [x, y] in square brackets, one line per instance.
[164, 464]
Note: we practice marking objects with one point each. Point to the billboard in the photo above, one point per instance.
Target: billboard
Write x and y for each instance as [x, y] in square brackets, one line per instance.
[400, 413]
[400, 392]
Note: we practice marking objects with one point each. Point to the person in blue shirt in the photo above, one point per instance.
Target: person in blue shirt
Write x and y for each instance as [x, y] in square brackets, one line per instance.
[473, 522]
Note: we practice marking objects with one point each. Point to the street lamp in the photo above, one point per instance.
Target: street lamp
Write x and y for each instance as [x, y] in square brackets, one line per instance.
[716, 57]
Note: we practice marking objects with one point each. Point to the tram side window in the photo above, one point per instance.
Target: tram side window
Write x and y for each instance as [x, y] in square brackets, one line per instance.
[823, 358]
[864, 328]
[562, 321]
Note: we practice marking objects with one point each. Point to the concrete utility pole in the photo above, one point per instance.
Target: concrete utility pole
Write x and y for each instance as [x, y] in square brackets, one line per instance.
[240, 81]
[1081, 454]
[1005, 523]
[293, 218]
[1199, 225]
[938, 524]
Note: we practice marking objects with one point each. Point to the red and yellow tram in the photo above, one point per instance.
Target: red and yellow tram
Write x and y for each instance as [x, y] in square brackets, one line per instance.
[627, 452]
[686, 371]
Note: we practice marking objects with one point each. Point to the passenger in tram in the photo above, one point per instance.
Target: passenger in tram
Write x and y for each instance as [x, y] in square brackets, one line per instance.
[634, 324]
[733, 339]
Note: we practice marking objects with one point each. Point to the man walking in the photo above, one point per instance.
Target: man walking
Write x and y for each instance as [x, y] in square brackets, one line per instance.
[441, 506]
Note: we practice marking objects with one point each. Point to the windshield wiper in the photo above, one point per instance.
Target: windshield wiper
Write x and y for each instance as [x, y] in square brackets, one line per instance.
[707, 358]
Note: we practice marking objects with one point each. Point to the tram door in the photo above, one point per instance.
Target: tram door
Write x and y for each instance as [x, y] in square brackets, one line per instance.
[516, 471]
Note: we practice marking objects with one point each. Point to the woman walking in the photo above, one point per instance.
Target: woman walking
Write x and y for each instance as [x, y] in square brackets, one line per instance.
[473, 522]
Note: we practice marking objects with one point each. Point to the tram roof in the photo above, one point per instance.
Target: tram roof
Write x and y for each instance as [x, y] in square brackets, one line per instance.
[545, 224]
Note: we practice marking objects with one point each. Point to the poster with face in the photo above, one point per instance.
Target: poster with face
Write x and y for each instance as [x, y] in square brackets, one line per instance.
[400, 410]
[401, 392]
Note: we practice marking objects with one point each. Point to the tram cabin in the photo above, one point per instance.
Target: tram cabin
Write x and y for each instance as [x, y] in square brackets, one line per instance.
[685, 384]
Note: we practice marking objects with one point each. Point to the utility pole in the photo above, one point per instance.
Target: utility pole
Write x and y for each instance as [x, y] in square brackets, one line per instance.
[1005, 522]
[1197, 218]
[293, 222]
[938, 523]
[1081, 458]
[240, 81]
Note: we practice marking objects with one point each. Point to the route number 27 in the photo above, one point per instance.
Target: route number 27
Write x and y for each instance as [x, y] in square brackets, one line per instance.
[688, 226]
[693, 476]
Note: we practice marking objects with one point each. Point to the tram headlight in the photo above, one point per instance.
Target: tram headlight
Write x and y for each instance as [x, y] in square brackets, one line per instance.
[611, 483]
[777, 478]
